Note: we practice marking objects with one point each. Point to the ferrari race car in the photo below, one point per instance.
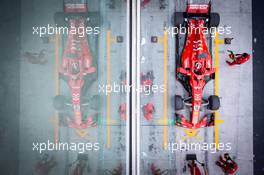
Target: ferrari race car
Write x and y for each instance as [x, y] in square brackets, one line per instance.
[194, 65]
[76, 65]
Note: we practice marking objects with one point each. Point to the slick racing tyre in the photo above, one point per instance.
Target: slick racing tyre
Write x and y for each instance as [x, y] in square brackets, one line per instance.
[59, 102]
[178, 19]
[214, 20]
[178, 103]
[59, 19]
[214, 102]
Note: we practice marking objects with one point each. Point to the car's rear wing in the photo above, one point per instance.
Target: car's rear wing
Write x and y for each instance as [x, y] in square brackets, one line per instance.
[198, 7]
[75, 6]
[77, 9]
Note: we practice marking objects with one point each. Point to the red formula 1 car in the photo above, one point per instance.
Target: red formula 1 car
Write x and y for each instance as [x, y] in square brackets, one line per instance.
[77, 62]
[194, 67]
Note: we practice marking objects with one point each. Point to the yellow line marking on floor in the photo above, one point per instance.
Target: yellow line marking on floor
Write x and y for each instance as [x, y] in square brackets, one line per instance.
[160, 121]
[57, 87]
[108, 111]
[161, 40]
[110, 122]
[217, 120]
[216, 63]
[165, 45]
[221, 41]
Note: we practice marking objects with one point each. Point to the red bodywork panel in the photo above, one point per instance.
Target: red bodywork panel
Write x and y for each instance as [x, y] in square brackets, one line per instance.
[196, 62]
[76, 63]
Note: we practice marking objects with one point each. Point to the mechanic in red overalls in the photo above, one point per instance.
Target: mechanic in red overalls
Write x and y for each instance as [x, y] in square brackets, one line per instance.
[237, 59]
[148, 110]
[227, 164]
[195, 170]
[144, 3]
[80, 166]
[147, 78]
[116, 171]
[122, 111]
[45, 165]
[158, 171]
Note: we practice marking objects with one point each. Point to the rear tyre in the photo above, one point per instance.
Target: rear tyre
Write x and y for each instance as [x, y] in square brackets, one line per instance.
[59, 19]
[59, 102]
[94, 19]
[178, 19]
[93, 102]
[178, 103]
[214, 102]
[214, 20]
